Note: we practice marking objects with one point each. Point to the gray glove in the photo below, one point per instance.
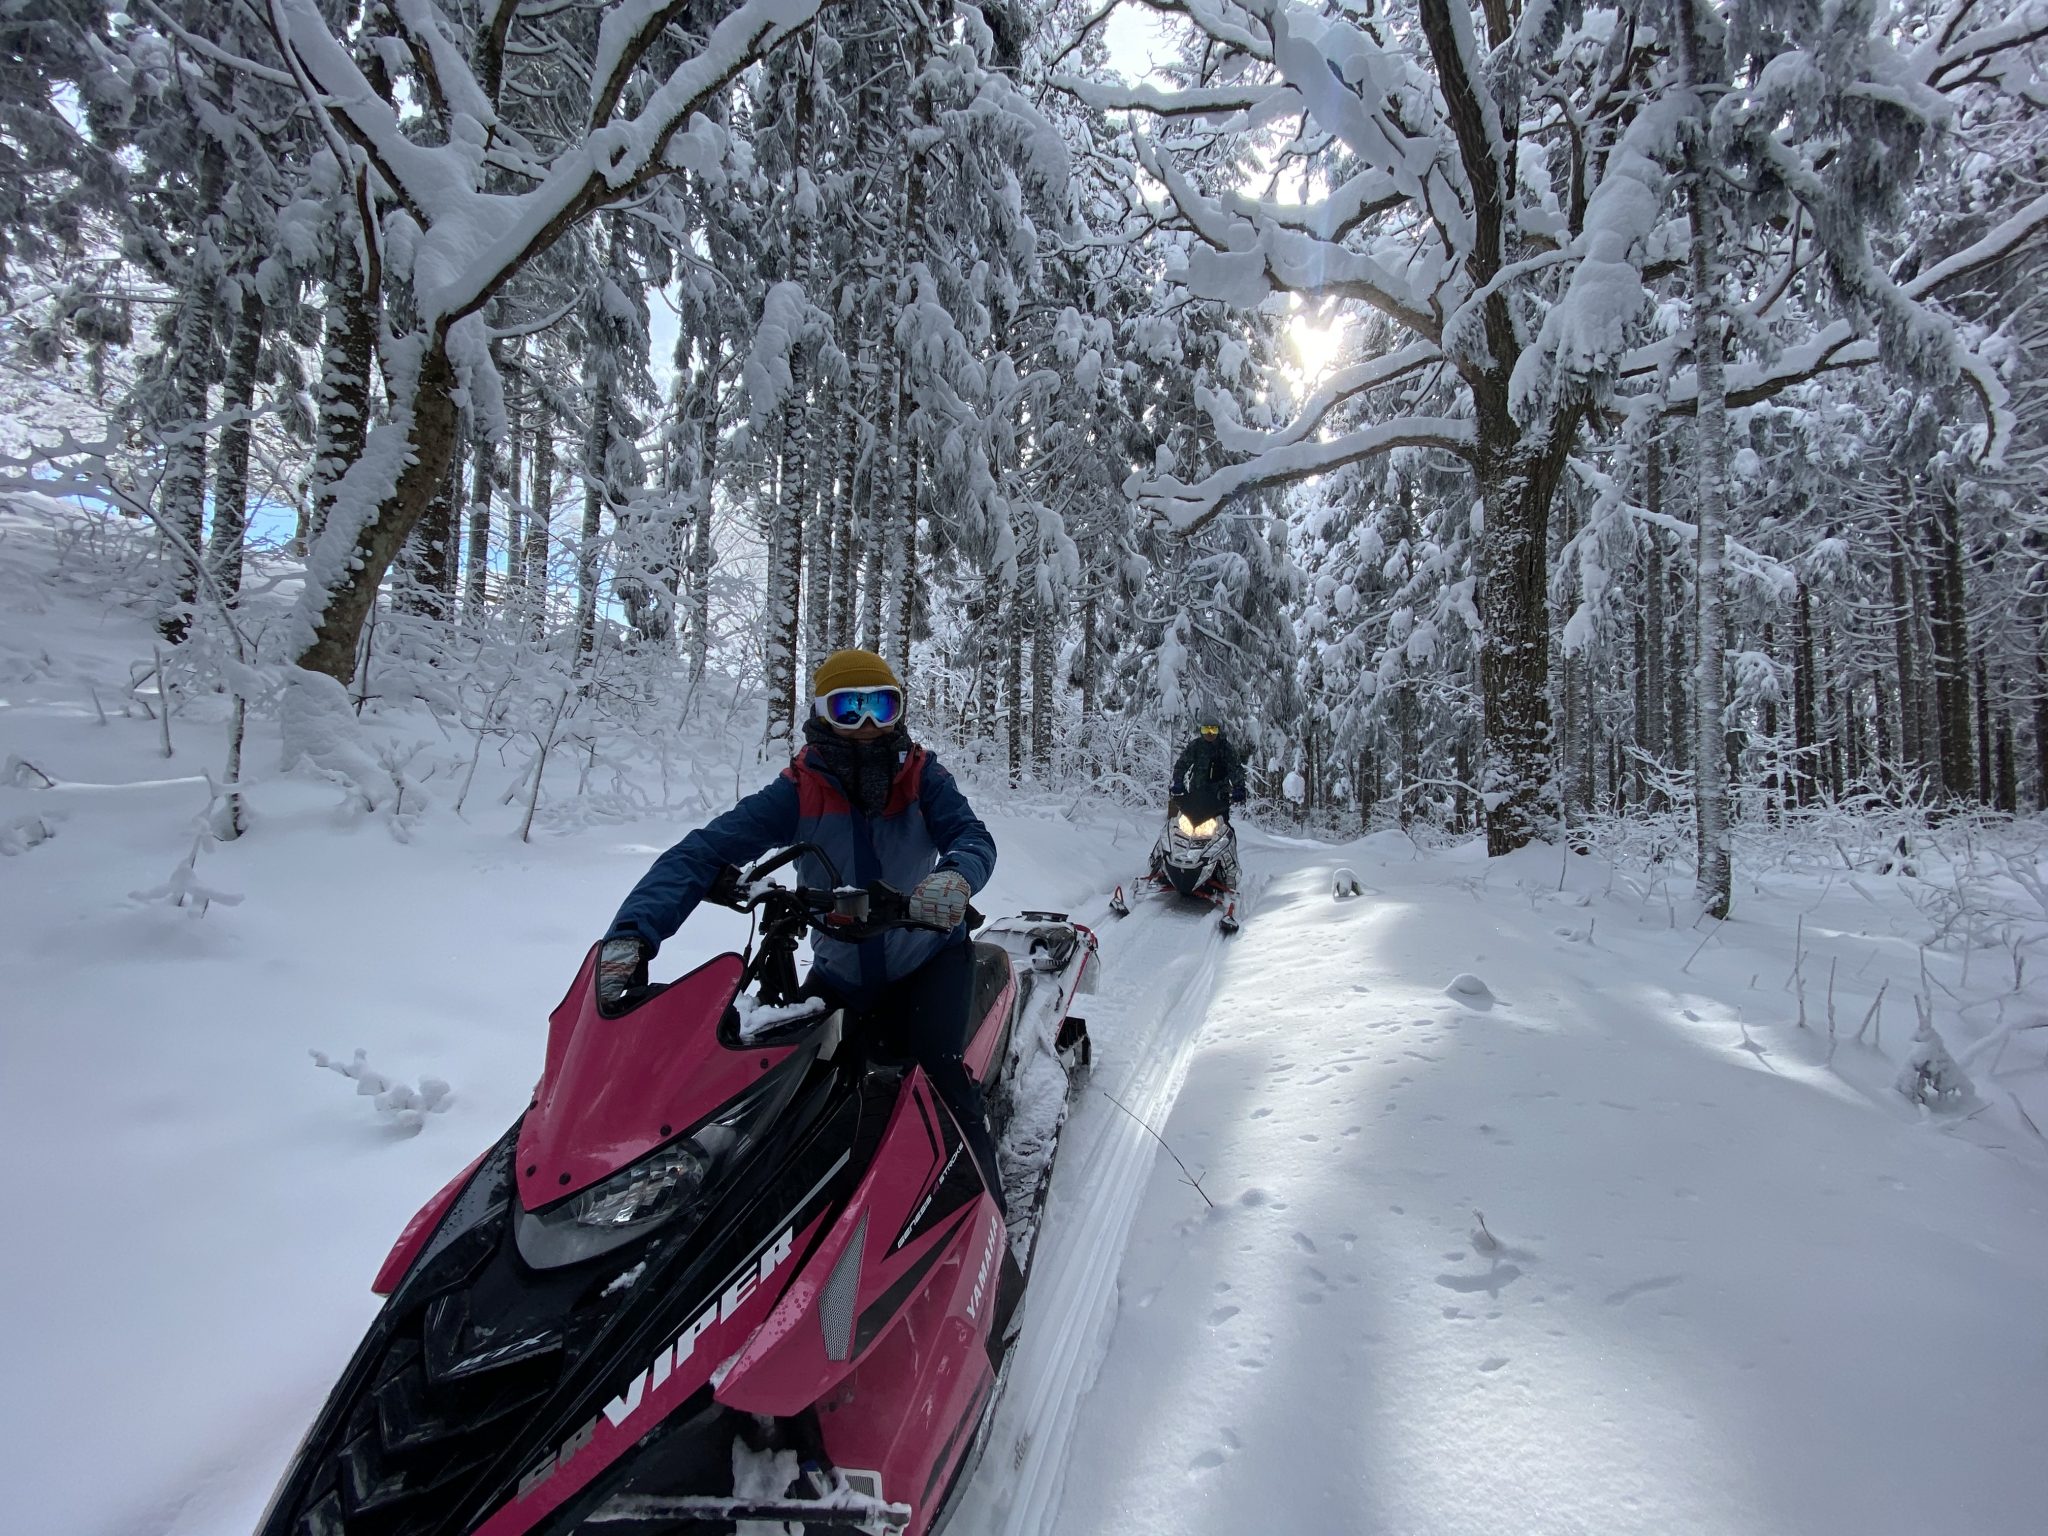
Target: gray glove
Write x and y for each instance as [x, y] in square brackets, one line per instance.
[940, 899]
[621, 970]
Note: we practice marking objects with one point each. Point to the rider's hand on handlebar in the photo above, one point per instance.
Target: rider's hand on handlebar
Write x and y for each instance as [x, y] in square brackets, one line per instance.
[621, 970]
[939, 900]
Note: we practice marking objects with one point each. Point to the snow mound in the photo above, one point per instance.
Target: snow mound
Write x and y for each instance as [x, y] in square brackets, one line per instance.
[1389, 844]
[1470, 987]
[1344, 885]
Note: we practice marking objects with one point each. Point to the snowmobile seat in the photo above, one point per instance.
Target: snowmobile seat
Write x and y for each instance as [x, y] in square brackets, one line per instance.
[991, 973]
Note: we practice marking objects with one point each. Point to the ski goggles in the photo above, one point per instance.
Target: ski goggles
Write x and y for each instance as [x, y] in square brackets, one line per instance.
[848, 707]
[1212, 730]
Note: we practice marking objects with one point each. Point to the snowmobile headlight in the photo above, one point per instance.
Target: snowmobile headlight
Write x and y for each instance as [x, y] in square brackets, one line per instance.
[1197, 829]
[649, 1190]
[1187, 827]
[628, 1205]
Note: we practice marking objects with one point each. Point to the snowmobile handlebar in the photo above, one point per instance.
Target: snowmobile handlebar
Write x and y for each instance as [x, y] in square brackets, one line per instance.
[850, 912]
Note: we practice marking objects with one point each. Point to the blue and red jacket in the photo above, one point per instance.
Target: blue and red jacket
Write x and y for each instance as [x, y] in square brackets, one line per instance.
[926, 825]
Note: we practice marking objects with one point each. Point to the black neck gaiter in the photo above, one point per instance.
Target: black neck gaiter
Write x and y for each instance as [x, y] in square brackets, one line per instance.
[866, 769]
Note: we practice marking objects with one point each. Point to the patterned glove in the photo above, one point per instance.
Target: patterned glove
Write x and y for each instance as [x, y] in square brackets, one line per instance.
[1178, 789]
[621, 971]
[940, 899]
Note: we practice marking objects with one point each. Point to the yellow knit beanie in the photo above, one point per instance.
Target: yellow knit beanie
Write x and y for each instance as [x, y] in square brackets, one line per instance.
[852, 669]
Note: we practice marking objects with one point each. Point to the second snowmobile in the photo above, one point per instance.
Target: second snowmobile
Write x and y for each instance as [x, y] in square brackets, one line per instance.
[1196, 855]
[735, 1262]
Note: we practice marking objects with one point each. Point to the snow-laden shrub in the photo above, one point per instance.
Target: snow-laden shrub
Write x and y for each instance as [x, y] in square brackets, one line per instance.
[24, 833]
[1931, 1078]
[404, 1106]
[183, 887]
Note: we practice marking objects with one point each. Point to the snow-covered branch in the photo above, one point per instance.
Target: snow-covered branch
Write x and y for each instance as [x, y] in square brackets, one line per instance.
[1185, 508]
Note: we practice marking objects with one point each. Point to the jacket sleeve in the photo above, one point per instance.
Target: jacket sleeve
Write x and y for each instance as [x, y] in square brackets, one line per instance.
[963, 842]
[1185, 761]
[670, 891]
[1237, 767]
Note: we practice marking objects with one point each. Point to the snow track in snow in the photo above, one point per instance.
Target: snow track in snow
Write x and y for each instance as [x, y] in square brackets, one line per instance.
[1159, 968]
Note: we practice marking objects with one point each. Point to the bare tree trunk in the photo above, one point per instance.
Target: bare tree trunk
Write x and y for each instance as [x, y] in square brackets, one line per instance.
[845, 544]
[231, 461]
[347, 349]
[476, 582]
[1650, 713]
[2040, 725]
[700, 555]
[1946, 607]
[781, 614]
[181, 496]
[1042, 645]
[909, 582]
[379, 537]
[1677, 668]
[1912, 748]
[874, 587]
[515, 501]
[818, 560]
[596, 451]
[1518, 479]
[1986, 757]
[535, 554]
[1710, 344]
[1013, 684]
[1805, 732]
[2008, 785]
[1408, 739]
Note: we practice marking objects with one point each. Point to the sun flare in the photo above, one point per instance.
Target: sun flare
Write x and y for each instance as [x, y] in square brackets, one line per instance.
[1315, 344]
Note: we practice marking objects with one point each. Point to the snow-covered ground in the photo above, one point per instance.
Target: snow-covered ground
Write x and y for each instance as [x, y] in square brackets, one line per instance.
[1723, 1284]
[1720, 1286]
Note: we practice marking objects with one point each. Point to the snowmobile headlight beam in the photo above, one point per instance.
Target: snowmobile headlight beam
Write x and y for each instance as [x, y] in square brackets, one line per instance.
[1197, 829]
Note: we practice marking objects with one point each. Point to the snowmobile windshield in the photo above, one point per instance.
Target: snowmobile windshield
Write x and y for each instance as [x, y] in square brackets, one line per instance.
[1203, 802]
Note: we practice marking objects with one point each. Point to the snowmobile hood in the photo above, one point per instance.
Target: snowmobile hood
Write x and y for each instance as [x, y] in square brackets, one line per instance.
[614, 1089]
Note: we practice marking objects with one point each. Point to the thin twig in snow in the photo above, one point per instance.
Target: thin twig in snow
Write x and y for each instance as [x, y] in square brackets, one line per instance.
[1119, 1103]
[1719, 923]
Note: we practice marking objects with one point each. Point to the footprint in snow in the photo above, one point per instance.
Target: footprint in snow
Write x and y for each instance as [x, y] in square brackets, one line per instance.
[1222, 1315]
[1304, 1242]
[1493, 1282]
[1629, 1293]
[1492, 1363]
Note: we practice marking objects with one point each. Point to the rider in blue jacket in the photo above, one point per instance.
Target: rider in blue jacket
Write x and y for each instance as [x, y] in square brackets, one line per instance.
[880, 807]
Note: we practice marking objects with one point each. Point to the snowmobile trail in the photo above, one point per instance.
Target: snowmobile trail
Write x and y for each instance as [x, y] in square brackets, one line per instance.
[1159, 970]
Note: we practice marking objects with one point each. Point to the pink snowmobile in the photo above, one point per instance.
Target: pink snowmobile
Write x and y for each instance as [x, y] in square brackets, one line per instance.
[733, 1263]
